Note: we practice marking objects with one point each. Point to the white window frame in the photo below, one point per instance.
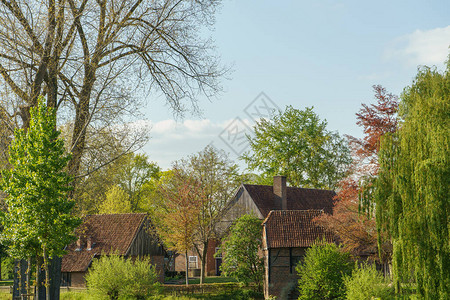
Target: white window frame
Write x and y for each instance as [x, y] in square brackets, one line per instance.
[193, 262]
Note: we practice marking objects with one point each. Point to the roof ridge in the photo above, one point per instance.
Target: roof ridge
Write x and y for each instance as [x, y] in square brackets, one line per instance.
[291, 187]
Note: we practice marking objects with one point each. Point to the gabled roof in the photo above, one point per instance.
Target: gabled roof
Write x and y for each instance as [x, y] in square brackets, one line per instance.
[297, 198]
[294, 228]
[109, 233]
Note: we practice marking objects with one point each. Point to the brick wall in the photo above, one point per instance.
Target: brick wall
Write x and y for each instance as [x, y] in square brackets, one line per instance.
[158, 262]
[210, 259]
[180, 259]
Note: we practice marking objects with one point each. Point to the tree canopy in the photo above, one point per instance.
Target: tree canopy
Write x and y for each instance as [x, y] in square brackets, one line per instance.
[127, 182]
[295, 143]
[38, 220]
[412, 188]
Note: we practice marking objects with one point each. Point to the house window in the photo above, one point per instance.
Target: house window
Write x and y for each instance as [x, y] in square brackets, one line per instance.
[192, 262]
[65, 279]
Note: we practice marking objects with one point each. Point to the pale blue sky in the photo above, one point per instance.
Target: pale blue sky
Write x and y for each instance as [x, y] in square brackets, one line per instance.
[325, 54]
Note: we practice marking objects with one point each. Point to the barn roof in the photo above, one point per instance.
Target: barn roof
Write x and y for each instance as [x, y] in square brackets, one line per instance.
[109, 233]
[297, 198]
[294, 228]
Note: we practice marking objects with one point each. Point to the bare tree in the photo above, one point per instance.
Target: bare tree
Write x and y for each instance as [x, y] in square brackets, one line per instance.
[93, 59]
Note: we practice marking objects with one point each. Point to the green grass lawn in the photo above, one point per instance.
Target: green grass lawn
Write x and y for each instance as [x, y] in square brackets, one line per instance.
[6, 283]
[213, 279]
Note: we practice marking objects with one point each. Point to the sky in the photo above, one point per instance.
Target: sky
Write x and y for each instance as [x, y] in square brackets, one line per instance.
[321, 53]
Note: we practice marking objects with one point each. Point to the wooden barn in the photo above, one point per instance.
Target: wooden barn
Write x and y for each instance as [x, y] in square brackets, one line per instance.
[129, 235]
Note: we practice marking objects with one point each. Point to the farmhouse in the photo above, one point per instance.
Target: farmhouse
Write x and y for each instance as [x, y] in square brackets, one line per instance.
[129, 235]
[260, 200]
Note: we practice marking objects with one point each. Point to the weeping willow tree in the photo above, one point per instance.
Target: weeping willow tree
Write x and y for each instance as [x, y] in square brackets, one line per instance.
[412, 189]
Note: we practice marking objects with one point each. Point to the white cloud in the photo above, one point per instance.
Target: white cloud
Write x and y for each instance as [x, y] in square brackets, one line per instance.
[422, 47]
[170, 141]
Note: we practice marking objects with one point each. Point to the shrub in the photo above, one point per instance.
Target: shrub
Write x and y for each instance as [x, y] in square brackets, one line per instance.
[366, 282]
[113, 277]
[322, 272]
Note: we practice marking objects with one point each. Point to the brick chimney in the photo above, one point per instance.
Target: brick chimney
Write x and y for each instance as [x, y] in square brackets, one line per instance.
[78, 244]
[279, 189]
[89, 243]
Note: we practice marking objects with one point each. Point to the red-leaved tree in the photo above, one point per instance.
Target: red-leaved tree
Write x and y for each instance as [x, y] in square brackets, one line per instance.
[357, 230]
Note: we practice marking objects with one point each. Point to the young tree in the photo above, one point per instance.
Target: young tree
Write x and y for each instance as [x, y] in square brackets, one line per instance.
[218, 178]
[178, 220]
[38, 220]
[412, 188]
[358, 232]
[240, 251]
[296, 143]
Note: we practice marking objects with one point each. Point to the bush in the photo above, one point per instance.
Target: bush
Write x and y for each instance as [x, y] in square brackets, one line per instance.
[113, 277]
[366, 282]
[240, 252]
[322, 272]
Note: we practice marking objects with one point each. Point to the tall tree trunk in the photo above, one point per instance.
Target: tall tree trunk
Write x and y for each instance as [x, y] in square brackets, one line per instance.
[47, 275]
[38, 282]
[55, 277]
[19, 286]
[40, 279]
[187, 267]
[203, 260]
[82, 116]
[28, 275]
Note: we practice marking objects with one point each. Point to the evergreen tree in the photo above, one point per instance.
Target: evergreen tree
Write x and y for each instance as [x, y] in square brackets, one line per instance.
[38, 220]
[412, 189]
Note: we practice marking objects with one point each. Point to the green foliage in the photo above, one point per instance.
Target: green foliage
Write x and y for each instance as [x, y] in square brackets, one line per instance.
[116, 202]
[135, 173]
[38, 219]
[75, 295]
[366, 282]
[132, 173]
[413, 186]
[240, 251]
[296, 143]
[113, 277]
[322, 272]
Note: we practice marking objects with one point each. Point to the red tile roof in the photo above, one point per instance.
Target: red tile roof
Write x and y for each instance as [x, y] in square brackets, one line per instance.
[294, 228]
[109, 233]
[297, 198]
